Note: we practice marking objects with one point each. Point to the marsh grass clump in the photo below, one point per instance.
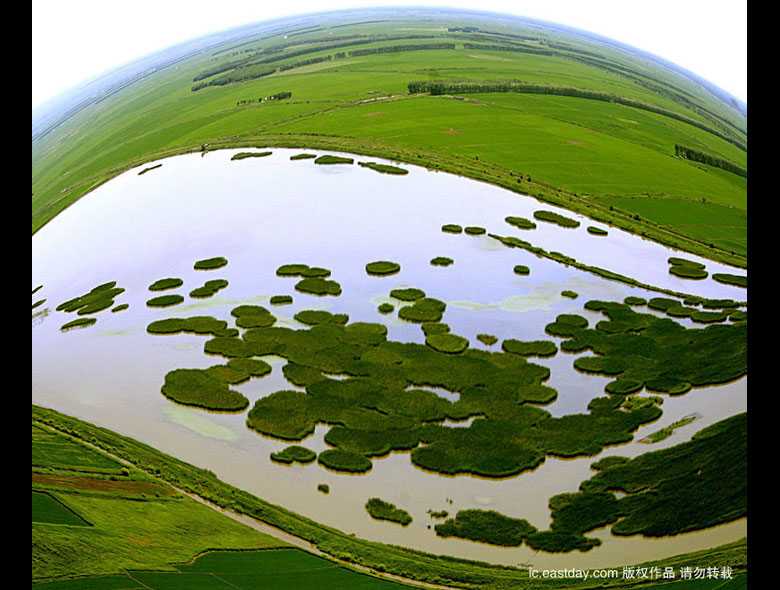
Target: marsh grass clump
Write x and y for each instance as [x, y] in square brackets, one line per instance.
[426, 309]
[38, 303]
[316, 317]
[729, 279]
[229, 375]
[521, 269]
[643, 350]
[78, 323]
[429, 328]
[520, 222]
[556, 218]
[250, 366]
[381, 510]
[687, 269]
[452, 228]
[487, 339]
[253, 316]
[291, 270]
[209, 289]
[409, 294]
[318, 286]
[441, 261]
[382, 268]
[339, 460]
[316, 271]
[324, 488]
[211, 263]
[531, 348]
[194, 325]
[708, 317]
[570, 294]
[666, 432]
[294, 454]
[327, 159]
[486, 526]
[631, 300]
[597, 231]
[245, 155]
[447, 343]
[384, 168]
[100, 298]
[385, 308]
[165, 301]
[164, 284]
[197, 387]
[303, 157]
[566, 324]
[737, 315]
[281, 299]
[474, 230]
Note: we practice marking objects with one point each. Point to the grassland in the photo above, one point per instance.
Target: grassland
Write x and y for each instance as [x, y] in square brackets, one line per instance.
[538, 144]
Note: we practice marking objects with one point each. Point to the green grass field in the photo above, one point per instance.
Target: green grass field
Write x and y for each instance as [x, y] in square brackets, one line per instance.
[608, 160]
[48, 509]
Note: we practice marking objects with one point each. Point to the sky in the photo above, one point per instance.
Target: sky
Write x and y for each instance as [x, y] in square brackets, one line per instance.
[77, 40]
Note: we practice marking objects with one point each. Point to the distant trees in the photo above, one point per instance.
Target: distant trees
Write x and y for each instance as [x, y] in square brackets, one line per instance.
[696, 156]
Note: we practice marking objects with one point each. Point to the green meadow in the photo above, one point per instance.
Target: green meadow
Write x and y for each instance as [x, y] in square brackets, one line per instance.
[349, 85]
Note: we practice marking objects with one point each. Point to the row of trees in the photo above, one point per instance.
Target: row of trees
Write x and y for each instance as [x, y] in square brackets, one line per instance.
[682, 151]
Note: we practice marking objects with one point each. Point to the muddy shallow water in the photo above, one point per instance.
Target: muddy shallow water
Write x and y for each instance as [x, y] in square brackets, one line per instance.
[264, 212]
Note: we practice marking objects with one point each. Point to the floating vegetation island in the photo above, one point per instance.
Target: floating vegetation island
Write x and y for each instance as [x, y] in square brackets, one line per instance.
[333, 160]
[381, 510]
[164, 300]
[209, 289]
[165, 284]
[382, 268]
[245, 155]
[687, 269]
[557, 218]
[441, 261]
[384, 168]
[211, 263]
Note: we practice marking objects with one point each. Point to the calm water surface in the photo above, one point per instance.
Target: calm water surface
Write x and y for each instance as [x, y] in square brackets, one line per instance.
[261, 213]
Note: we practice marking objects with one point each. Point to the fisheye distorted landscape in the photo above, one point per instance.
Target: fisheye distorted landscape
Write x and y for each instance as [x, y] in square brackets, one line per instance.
[390, 298]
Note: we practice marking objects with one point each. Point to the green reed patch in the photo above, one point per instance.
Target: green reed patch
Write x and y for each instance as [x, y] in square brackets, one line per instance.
[632, 300]
[522, 270]
[327, 159]
[452, 228]
[193, 325]
[382, 268]
[120, 307]
[245, 155]
[294, 454]
[520, 222]
[441, 261]
[324, 488]
[530, 348]
[447, 343]
[487, 339]
[729, 279]
[315, 317]
[209, 289]
[409, 294]
[318, 286]
[381, 510]
[384, 168]
[339, 460]
[551, 217]
[163, 284]
[667, 431]
[281, 299]
[422, 310]
[253, 316]
[474, 230]
[211, 263]
[303, 157]
[99, 298]
[78, 323]
[597, 231]
[385, 308]
[198, 387]
[164, 301]
[486, 526]
[570, 294]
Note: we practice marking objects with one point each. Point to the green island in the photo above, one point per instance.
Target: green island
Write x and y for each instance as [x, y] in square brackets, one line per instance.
[447, 343]
[474, 230]
[408, 294]
[78, 323]
[323, 488]
[120, 307]
[281, 299]
[164, 300]
[209, 289]
[452, 228]
[687, 269]
[204, 389]
[303, 157]
[382, 268]
[318, 286]
[164, 284]
[194, 325]
[667, 431]
[381, 510]
[441, 261]
[253, 316]
[487, 339]
[245, 155]
[384, 168]
[211, 263]
[556, 218]
[385, 308]
[729, 279]
[708, 472]
[294, 454]
[569, 294]
[520, 222]
[97, 299]
[333, 160]
[521, 269]
[532, 348]
[597, 231]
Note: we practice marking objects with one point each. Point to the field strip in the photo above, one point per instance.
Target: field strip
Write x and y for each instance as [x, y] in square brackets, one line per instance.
[263, 527]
